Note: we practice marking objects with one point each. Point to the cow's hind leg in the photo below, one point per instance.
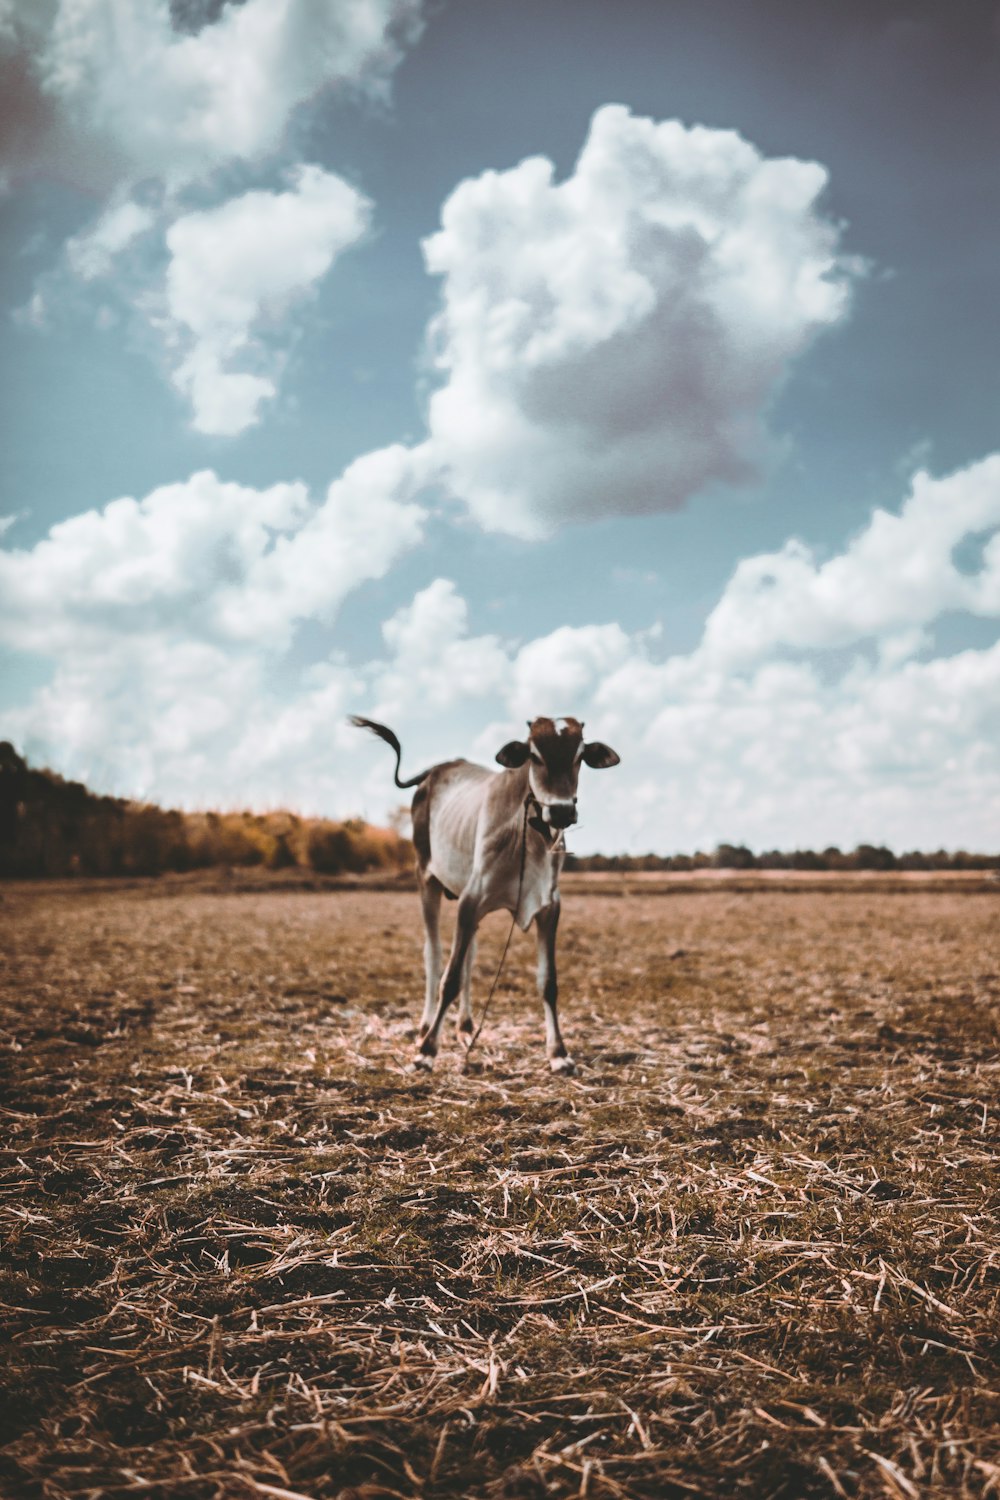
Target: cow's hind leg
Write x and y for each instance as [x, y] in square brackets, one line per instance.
[465, 1024]
[466, 922]
[430, 901]
[546, 924]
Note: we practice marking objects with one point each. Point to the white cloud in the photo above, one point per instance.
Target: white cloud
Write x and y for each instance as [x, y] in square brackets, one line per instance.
[222, 299]
[782, 757]
[610, 344]
[237, 269]
[194, 724]
[208, 561]
[121, 99]
[172, 616]
[169, 619]
[110, 93]
[761, 736]
[367, 521]
[565, 667]
[175, 558]
[894, 578]
[433, 663]
[777, 757]
[808, 738]
[92, 253]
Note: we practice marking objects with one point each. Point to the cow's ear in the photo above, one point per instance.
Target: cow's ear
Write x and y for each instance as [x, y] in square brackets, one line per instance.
[600, 757]
[513, 754]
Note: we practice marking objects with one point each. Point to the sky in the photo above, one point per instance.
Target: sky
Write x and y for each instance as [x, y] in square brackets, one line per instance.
[455, 364]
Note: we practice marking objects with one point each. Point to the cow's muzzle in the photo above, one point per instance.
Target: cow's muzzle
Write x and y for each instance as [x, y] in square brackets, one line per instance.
[561, 814]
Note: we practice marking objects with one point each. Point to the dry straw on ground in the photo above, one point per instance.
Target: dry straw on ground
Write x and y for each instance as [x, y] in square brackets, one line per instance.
[752, 1249]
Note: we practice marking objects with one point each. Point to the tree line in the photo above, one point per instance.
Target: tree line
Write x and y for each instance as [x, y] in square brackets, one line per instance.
[53, 827]
[739, 857]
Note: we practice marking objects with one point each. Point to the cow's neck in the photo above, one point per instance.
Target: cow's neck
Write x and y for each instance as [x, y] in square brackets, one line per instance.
[529, 805]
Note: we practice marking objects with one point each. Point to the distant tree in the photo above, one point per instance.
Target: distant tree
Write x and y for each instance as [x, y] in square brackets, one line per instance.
[807, 859]
[733, 857]
[773, 859]
[870, 857]
[332, 849]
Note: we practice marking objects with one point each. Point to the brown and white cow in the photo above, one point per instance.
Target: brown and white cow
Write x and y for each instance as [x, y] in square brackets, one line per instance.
[472, 828]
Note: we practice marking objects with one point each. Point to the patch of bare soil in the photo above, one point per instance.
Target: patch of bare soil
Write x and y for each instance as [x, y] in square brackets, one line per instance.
[752, 1248]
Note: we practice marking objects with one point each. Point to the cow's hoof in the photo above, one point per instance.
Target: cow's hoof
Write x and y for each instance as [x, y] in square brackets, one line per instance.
[562, 1065]
[465, 1026]
[423, 1063]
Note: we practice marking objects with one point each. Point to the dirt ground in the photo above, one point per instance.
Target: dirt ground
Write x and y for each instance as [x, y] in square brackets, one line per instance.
[752, 1248]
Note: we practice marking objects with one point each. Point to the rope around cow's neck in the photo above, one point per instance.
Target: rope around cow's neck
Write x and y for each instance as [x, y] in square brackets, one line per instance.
[529, 799]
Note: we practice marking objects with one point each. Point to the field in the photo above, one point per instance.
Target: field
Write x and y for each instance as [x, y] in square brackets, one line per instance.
[752, 1248]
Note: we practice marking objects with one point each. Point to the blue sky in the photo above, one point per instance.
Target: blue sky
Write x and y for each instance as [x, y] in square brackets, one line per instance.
[463, 363]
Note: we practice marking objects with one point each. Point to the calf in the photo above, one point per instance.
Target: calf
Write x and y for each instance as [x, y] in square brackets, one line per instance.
[495, 842]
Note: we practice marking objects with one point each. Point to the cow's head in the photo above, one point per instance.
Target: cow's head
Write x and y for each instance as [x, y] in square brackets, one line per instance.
[554, 752]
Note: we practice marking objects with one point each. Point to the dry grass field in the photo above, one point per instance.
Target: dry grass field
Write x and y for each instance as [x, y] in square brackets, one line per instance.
[752, 1248]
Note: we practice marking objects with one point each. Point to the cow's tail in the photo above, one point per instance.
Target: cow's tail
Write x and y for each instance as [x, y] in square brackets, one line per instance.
[390, 739]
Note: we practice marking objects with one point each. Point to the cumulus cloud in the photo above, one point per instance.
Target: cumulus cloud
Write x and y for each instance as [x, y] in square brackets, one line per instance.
[148, 717]
[610, 344]
[208, 561]
[168, 620]
[93, 252]
[197, 724]
[218, 285]
[784, 726]
[810, 737]
[780, 757]
[433, 662]
[140, 102]
[565, 667]
[893, 579]
[175, 558]
[111, 94]
[787, 756]
[237, 269]
[368, 519]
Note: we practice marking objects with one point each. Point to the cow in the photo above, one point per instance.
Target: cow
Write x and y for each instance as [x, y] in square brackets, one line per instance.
[495, 842]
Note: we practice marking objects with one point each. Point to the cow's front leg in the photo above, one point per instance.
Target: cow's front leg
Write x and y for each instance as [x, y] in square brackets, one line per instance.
[466, 922]
[430, 902]
[465, 1023]
[546, 924]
